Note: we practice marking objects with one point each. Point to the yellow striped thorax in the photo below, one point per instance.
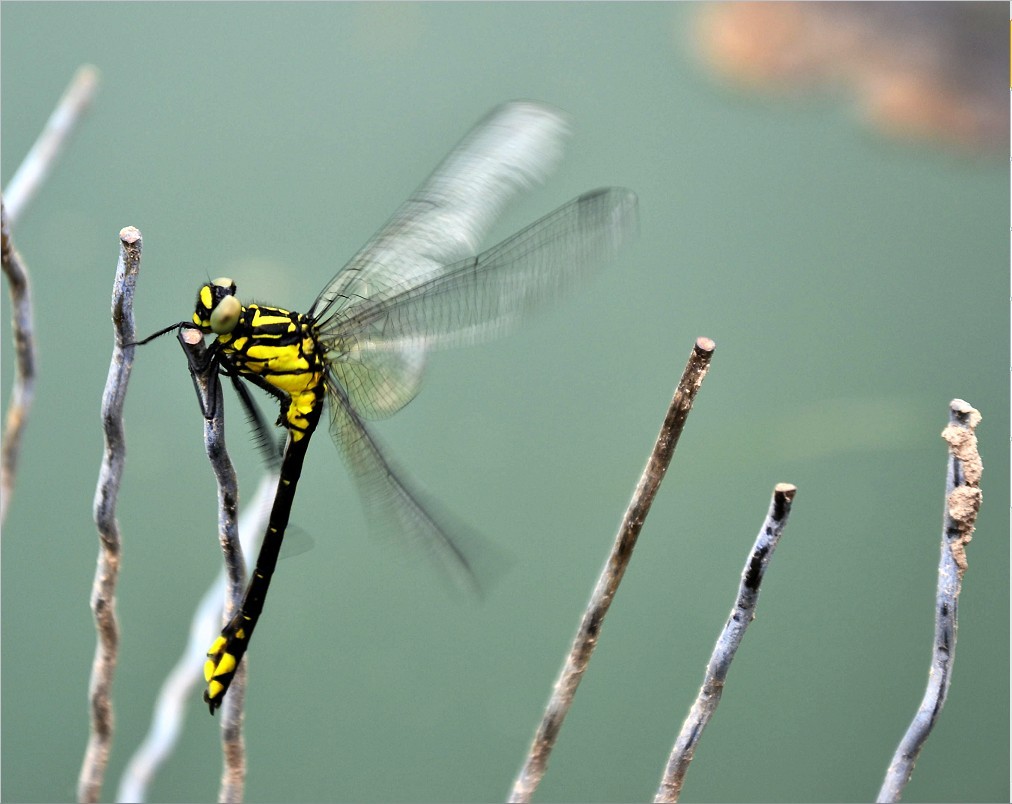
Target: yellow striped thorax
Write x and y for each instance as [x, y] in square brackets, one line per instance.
[277, 346]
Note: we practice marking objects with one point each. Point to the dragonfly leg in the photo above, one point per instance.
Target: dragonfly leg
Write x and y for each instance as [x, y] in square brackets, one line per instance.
[269, 448]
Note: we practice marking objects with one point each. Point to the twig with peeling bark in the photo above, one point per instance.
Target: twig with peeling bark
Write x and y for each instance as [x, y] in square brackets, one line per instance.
[23, 388]
[209, 390]
[742, 614]
[19, 192]
[586, 637]
[103, 594]
[962, 502]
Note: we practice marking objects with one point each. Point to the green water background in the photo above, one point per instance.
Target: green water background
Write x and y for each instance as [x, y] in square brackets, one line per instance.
[854, 285]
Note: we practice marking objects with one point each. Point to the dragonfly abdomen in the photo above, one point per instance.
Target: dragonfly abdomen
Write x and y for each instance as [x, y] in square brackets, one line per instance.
[228, 649]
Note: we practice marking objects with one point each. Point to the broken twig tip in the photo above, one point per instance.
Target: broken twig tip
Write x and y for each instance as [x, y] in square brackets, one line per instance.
[966, 412]
[962, 440]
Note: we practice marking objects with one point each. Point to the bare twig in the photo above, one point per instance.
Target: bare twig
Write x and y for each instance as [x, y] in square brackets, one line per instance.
[586, 637]
[23, 388]
[209, 389]
[167, 721]
[103, 594]
[743, 612]
[20, 190]
[32, 172]
[962, 502]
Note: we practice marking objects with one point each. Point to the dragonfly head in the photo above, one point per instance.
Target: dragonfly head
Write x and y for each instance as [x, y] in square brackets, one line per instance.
[217, 309]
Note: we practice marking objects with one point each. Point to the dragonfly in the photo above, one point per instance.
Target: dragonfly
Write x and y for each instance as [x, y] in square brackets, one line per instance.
[360, 351]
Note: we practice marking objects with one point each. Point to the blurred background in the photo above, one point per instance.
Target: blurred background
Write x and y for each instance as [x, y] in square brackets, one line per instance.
[822, 192]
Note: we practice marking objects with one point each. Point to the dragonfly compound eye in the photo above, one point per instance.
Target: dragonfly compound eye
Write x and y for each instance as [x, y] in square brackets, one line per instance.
[225, 315]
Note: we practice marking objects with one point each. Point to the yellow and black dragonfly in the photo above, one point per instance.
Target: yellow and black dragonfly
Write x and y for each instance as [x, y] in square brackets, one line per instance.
[419, 284]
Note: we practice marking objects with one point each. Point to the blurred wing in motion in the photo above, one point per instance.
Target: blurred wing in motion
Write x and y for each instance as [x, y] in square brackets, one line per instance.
[513, 148]
[392, 506]
[482, 296]
[377, 345]
[417, 285]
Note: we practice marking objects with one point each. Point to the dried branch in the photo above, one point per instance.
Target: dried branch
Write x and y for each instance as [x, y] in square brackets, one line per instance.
[962, 502]
[103, 594]
[23, 387]
[743, 612]
[32, 172]
[586, 637]
[19, 192]
[209, 390]
[167, 721]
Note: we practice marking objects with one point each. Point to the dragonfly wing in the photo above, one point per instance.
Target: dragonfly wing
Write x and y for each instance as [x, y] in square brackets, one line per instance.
[391, 505]
[480, 297]
[378, 383]
[514, 147]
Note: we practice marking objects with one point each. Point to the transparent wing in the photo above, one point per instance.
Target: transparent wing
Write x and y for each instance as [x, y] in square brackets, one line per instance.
[514, 147]
[379, 382]
[481, 296]
[391, 505]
